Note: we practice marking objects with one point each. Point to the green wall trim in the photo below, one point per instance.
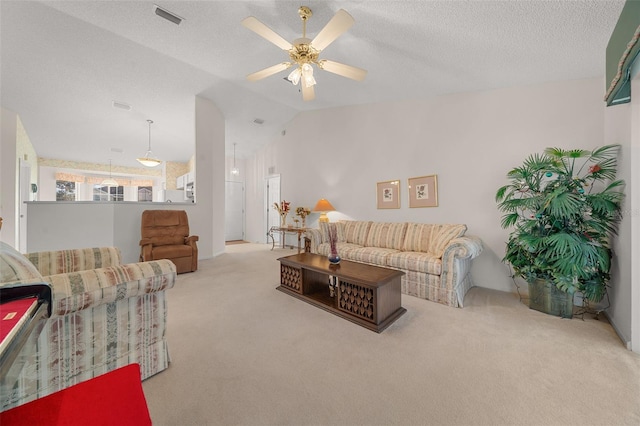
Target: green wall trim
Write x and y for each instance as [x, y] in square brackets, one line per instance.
[622, 50]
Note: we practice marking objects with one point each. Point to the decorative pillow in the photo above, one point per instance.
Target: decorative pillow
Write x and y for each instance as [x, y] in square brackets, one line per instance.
[15, 267]
[386, 235]
[417, 237]
[355, 231]
[324, 231]
[441, 235]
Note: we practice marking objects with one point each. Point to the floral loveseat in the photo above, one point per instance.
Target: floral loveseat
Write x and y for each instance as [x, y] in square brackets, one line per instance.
[436, 258]
[104, 315]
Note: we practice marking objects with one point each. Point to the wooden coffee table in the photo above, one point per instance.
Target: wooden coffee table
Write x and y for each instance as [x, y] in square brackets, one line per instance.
[364, 294]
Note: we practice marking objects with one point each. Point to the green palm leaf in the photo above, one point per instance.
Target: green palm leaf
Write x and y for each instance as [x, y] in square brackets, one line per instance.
[563, 206]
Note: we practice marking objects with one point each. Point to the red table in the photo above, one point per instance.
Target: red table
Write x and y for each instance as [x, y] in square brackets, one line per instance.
[114, 398]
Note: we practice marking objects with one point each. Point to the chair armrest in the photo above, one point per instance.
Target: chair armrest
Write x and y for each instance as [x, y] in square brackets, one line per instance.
[85, 289]
[74, 260]
[190, 239]
[146, 247]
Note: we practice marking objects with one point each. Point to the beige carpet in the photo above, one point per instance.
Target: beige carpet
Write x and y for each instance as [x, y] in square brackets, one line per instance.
[244, 353]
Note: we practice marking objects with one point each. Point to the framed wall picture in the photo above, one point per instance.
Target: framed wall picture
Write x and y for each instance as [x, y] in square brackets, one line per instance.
[423, 191]
[388, 194]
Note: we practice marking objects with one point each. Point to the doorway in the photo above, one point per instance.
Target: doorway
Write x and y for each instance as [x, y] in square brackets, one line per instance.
[272, 196]
[234, 211]
[24, 186]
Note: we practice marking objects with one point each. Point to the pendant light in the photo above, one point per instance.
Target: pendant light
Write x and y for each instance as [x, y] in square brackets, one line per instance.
[149, 160]
[111, 181]
[234, 171]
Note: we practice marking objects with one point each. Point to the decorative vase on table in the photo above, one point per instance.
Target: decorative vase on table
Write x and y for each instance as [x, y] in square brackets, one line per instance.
[283, 210]
[333, 242]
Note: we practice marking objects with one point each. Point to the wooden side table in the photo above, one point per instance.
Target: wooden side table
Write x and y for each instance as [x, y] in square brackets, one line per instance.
[286, 230]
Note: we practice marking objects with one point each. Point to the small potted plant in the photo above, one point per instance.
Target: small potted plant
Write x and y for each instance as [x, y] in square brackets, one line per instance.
[303, 212]
[283, 211]
[563, 206]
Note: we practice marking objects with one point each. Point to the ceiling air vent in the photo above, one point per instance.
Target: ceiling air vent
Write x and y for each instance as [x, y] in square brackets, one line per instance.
[121, 105]
[163, 13]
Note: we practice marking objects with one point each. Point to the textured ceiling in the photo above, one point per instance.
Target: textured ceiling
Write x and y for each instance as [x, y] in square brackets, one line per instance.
[63, 63]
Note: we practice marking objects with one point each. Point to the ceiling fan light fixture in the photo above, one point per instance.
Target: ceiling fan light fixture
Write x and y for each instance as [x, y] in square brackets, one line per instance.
[304, 52]
[307, 73]
[149, 160]
[294, 76]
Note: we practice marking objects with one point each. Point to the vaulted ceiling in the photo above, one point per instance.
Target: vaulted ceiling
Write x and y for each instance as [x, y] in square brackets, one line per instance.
[64, 63]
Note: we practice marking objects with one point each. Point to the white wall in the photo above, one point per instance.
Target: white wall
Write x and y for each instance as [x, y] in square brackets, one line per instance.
[469, 140]
[634, 217]
[618, 129]
[53, 225]
[8, 178]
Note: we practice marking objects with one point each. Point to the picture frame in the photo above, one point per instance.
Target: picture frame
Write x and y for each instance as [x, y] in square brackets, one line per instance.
[388, 194]
[423, 191]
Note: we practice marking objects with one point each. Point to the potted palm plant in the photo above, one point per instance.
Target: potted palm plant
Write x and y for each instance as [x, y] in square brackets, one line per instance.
[563, 206]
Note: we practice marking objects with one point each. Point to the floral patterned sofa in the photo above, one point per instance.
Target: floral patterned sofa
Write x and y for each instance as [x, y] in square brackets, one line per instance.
[104, 315]
[436, 258]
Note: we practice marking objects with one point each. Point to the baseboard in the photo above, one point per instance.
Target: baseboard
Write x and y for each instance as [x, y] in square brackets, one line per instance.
[621, 336]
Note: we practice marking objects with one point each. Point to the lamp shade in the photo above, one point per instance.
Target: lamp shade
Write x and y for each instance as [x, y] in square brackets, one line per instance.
[323, 206]
[109, 182]
[149, 160]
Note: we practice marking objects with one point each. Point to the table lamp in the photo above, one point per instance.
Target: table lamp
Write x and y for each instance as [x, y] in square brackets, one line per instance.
[323, 206]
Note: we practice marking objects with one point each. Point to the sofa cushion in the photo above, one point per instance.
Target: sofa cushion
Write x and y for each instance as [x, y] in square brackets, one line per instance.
[371, 255]
[430, 238]
[15, 267]
[343, 249]
[355, 231]
[441, 235]
[415, 261]
[417, 237]
[172, 251]
[324, 231]
[386, 235]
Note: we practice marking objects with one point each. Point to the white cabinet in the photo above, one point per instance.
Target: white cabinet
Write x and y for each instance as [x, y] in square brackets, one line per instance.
[182, 181]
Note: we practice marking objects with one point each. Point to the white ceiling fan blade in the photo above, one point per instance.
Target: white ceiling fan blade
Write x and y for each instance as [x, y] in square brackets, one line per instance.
[308, 93]
[262, 30]
[348, 71]
[259, 75]
[340, 23]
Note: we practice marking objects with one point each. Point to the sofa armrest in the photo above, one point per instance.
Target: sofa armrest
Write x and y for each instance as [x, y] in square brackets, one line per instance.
[468, 246]
[456, 265]
[85, 289]
[74, 260]
[314, 236]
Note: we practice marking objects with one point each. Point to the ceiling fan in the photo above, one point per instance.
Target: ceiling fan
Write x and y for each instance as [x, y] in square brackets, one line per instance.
[304, 52]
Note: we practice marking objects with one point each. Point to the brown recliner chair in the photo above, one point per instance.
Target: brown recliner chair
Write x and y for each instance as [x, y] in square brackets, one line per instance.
[165, 235]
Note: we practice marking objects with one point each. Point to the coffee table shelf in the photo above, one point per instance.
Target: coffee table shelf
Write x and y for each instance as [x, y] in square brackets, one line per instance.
[367, 295]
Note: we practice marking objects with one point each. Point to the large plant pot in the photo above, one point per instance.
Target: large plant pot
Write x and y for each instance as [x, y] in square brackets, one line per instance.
[545, 297]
